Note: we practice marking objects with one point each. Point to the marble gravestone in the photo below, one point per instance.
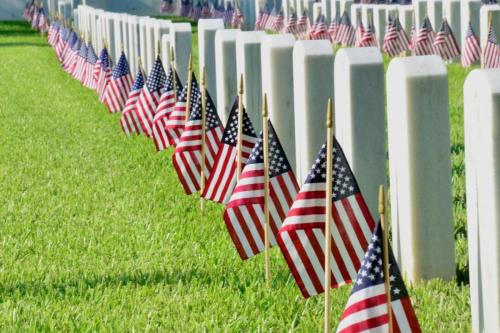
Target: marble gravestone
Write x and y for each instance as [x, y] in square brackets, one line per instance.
[420, 167]
[379, 23]
[151, 44]
[166, 45]
[225, 71]
[309, 6]
[435, 12]
[405, 13]
[469, 12]
[277, 69]
[486, 12]
[248, 64]
[345, 6]
[143, 21]
[133, 47]
[181, 37]
[317, 11]
[356, 14]
[452, 11]
[367, 12]
[420, 9]
[206, 47]
[125, 35]
[110, 35]
[327, 7]
[250, 13]
[360, 117]
[299, 6]
[313, 86]
[117, 28]
[482, 148]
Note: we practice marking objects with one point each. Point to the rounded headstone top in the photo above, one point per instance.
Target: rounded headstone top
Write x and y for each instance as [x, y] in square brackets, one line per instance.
[359, 55]
[250, 37]
[416, 66]
[181, 27]
[210, 24]
[484, 78]
[283, 40]
[313, 47]
[226, 35]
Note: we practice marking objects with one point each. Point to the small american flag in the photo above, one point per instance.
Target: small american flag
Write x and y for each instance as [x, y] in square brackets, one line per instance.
[321, 30]
[187, 156]
[302, 236]
[61, 42]
[43, 23]
[88, 80]
[277, 22]
[227, 15]
[81, 59]
[34, 20]
[53, 32]
[104, 74]
[244, 215]
[333, 29]
[150, 97]
[206, 13]
[472, 49]
[166, 6]
[258, 20]
[395, 40]
[222, 180]
[366, 309]
[116, 93]
[196, 13]
[185, 8]
[165, 108]
[67, 48]
[128, 121]
[291, 25]
[27, 10]
[368, 38]
[360, 30]
[424, 41]
[237, 19]
[177, 119]
[303, 25]
[491, 55]
[346, 33]
[445, 43]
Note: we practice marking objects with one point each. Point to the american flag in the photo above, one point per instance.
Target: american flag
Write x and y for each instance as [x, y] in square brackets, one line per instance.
[53, 33]
[118, 89]
[27, 9]
[395, 40]
[346, 33]
[206, 13]
[321, 30]
[69, 50]
[166, 6]
[222, 180]
[360, 30]
[491, 53]
[472, 49]
[291, 25]
[368, 38]
[104, 72]
[43, 23]
[34, 20]
[187, 156]
[237, 19]
[150, 97]
[413, 33]
[165, 108]
[366, 309]
[244, 214]
[445, 43]
[303, 25]
[81, 59]
[185, 8]
[88, 79]
[128, 121]
[61, 42]
[277, 22]
[258, 20]
[196, 12]
[424, 41]
[302, 236]
[227, 15]
[333, 29]
[177, 119]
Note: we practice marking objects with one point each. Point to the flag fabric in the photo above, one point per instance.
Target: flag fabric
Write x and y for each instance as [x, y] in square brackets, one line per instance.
[128, 121]
[346, 33]
[445, 43]
[237, 19]
[187, 156]
[321, 30]
[333, 29]
[177, 119]
[277, 24]
[360, 31]
[366, 309]
[491, 53]
[258, 20]
[368, 38]
[150, 97]
[88, 78]
[472, 49]
[302, 236]
[424, 40]
[244, 214]
[291, 25]
[104, 73]
[43, 23]
[413, 35]
[118, 88]
[227, 15]
[81, 59]
[61, 42]
[53, 32]
[165, 108]
[303, 25]
[68, 49]
[395, 40]
[196, 12]
[222, 180]
[166, 6]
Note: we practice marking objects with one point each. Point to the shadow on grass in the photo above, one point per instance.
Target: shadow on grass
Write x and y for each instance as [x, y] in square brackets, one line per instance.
[9, 44]
[16, 28]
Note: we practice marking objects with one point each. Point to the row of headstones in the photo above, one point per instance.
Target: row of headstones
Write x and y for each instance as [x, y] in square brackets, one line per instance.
[299, 76]
[457, 12]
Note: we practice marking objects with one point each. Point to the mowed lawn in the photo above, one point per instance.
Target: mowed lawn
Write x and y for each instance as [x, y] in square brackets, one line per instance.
[96, 233]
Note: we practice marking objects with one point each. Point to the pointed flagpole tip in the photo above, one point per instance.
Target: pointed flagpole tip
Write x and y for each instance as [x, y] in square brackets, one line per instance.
[381, 199]
[264, 106]
[121, 47]
[241, 90]
[204, 77]
[329, 114]
[159, 48]
[172, 54]
[190, 63]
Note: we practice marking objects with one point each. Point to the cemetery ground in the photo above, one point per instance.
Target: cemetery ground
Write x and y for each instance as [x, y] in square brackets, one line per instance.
[96, 232]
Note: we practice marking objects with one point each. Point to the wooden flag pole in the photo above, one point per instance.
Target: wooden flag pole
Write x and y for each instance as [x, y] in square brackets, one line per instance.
[265, 144]
[174, 73]
[328, 210]
[240, 128]
[203, 130]
[190, 87]
[383, 225]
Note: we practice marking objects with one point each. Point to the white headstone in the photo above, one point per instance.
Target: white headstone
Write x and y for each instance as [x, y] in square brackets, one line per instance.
[182, 41]
[165, 51]
[117, 18]
[420, 167]
[309, 6]
[143, 27]
[345, 6]
[367, 12]
[469, 11]
[435, 11]
[452, 13]
[248, 47]
[250, 14]
[379, 23]
[420, 8]
[206, 49]
[225, 71]
[360, 117]
[406, 17]
[356, 14]
[327, 6]
[133, 49]
[481, 111]
[313, 86]
[151, 44]
[110, 34]
[317, 11]
[486, 12]
[277, 83]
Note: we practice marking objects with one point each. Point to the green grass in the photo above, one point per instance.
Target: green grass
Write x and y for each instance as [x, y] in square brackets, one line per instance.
[97, 235]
